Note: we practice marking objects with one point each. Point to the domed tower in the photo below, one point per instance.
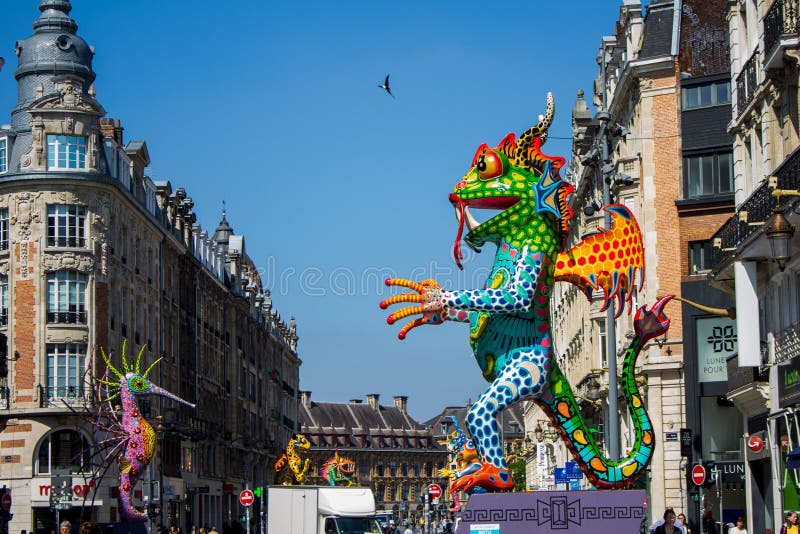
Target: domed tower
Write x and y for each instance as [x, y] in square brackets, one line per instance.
[54, 79]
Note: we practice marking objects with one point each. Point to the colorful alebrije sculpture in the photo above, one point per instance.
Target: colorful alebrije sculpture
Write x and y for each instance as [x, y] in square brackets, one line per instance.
[138, 439]
[339, 471]
[510, 317]
[465, 456]
[292, 466]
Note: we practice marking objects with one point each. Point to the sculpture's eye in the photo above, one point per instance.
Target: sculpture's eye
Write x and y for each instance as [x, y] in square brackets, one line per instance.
[489, 165]
[138, 383]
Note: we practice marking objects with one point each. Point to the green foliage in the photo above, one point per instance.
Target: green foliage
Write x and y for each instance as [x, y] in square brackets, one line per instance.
[517, 468]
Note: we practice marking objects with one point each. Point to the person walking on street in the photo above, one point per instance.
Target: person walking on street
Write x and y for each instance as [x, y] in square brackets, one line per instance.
[669, 526]
[407, 527]
[738, 528]
[790, 524]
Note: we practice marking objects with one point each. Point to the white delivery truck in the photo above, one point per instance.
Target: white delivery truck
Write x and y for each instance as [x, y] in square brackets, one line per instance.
[321, 510]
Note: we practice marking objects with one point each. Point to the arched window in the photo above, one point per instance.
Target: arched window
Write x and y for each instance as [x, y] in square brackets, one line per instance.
[63, 451]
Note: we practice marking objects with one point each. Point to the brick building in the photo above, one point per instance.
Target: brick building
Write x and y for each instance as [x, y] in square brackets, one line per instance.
[94, 252]
[395, 455]
[666, 90]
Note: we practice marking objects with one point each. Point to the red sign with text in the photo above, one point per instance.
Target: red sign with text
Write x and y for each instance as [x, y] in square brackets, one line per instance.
[246, 497]
[698, 474]
[434, 490]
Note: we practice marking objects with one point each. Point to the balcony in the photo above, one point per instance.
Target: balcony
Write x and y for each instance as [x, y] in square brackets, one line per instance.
[66, 242]
[59, 396]
[66, 317]
[780, 31]
[787, 343]
[746, 84]
[747, 223]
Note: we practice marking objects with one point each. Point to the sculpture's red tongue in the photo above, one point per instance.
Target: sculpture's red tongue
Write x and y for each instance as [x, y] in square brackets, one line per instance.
[461, 220]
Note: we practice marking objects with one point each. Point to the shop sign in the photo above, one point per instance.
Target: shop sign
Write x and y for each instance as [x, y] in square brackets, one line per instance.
[716, 341]
[732, 472]
[789, 382]
[41, 487]
[756, 447]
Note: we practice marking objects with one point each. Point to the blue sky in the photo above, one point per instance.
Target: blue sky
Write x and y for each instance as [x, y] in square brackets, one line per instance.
[274, 108]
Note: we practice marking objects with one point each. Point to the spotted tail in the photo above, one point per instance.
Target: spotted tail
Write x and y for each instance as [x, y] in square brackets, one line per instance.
[560, 405]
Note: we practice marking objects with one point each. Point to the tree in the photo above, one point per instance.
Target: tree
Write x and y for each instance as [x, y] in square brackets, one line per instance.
[517, 468]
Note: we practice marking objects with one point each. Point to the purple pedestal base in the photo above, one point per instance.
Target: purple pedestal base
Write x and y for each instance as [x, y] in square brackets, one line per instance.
[557, 512]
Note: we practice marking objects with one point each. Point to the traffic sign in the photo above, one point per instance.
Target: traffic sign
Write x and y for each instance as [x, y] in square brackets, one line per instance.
[246, 497]
[435, 490]
[698, 474]
[6, 501]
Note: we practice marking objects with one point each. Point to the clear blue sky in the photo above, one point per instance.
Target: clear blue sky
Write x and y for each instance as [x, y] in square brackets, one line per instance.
[274, 108]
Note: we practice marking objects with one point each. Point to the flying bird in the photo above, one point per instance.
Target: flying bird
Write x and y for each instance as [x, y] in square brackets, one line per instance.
[2, 62]
[385, 86]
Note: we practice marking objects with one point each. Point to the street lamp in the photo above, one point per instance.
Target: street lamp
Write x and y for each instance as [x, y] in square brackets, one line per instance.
[779, 231]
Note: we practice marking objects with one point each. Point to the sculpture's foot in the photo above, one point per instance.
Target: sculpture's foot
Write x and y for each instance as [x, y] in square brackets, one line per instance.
[490, 477]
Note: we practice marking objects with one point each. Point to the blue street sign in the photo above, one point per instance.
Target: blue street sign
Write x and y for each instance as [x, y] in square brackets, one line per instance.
[574, 484]
[573, 471]
[560, 473]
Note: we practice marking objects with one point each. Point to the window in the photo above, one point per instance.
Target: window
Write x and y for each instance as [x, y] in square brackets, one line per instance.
[601, 342]
[63, 451]
[3, 300]
[65, 226]
[699, 257]
[66, 297]
[66, 152]
[443, 428]
[3, 155]
[709, 174]
[706, 95]
[66, 363]
[4, 229]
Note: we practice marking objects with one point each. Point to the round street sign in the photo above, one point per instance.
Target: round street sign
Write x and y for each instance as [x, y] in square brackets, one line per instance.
[246, 497]
[434, 490]
[698, 474]
[755, 443]
[6, 503]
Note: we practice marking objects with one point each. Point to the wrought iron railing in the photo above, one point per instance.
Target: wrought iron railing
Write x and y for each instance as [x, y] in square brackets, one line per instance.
[781, 19]
[759, 206]
[66, 317]
[746, 83]
[787, 343]
[60, 395]
[71, 242]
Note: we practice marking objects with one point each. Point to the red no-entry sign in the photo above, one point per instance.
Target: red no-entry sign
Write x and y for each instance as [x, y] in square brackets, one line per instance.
[246, 497]
[434, 490]
[698, 474]
[6, 502]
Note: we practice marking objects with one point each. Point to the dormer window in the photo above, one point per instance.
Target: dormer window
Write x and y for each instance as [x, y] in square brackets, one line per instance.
[66, 152]
[3, 154]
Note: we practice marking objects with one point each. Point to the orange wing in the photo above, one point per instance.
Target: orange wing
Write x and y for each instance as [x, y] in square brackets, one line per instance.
[607, 261]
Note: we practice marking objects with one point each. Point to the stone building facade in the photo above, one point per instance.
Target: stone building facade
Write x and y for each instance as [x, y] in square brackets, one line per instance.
[652, 63]
[94, 253]
[395, 456]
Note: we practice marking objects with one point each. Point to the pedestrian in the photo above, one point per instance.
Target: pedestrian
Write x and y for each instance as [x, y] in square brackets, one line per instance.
[709, 525]
[87, 527]
[790, 524]
[738, 528]
[668, 526]
[65, 528]
[393, 528]
[213, 530]
[683, 523]
[407, 527]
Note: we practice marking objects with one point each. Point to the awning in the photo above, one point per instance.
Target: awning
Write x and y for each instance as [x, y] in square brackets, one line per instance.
[793, 459]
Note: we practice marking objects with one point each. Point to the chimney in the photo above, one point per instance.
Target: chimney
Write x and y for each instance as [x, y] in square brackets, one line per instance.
[401, 403]
[372, 399]
[305, 398]
[354, 401]
[112, 129]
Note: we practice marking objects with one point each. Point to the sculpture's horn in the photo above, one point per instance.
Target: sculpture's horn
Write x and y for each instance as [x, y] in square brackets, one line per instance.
[540, 130]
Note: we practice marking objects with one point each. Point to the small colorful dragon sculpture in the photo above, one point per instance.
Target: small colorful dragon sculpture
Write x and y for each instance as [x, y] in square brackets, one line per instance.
[291, 467]
[339, 471]
[137, 437]
[509, 317]
[465, 456]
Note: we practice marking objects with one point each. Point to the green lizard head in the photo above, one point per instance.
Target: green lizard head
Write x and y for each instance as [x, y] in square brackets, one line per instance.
[518, 179]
